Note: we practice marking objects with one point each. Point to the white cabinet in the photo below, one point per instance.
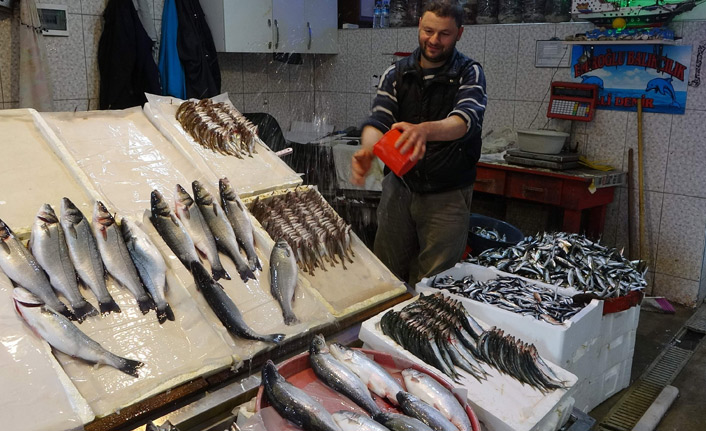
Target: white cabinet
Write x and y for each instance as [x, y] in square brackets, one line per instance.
[289, 26]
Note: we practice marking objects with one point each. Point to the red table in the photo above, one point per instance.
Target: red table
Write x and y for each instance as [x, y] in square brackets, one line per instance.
[569, 189]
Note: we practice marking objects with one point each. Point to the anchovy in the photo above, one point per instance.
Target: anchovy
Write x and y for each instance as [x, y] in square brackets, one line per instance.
[351, 421]
[430, 391]
[85, 255]
[116, 256]
[65, 337]
[240, 220]
[397, 422]
[338, 377]
[198, 230]
[416, 408]
[49, 248]
[224, 308]
[221, 228]
[283, 278]
[172, 231]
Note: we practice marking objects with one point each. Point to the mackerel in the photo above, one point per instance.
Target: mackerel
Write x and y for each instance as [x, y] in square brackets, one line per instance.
[283, 278]
[240, 220]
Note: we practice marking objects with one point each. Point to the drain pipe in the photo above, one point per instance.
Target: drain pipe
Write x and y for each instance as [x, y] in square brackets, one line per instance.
[654, 414]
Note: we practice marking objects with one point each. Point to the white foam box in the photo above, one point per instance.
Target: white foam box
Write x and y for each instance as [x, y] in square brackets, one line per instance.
[500, 402]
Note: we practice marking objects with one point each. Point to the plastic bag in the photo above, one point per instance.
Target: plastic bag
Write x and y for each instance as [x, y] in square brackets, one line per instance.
[398, 13]
[487, 12]
[498, 141]
[533, 10]
[509, 11]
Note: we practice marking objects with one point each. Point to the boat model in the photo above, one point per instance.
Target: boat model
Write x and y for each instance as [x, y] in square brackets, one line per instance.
[634, 12]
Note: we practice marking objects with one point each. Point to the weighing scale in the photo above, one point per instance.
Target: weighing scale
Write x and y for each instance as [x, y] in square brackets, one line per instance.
[559, 161]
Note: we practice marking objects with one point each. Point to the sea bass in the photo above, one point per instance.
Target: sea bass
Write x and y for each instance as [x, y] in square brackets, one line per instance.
[116, 256]
[65, 337]
[351, 421]
[240, 219]
[172, 231]
[85, 256]
[226, 311]
[22, 268]
[283, 278]
[430, 391]
[416, 408]
[150, 265]
[397, 422]
[49, 248]
[193, 222]
[379, 381]
[338, 377]
[221, 229]
[294, 404]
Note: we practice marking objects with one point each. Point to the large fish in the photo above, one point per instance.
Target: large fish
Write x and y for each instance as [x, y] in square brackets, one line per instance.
[379, 381]
[294, 404]
[430, 391]
[65, 337]
[337, 376]
[416, 408]
[150, 265]
[22, 268]
[225, 309]
[85, 256]
[283, 278]
[351, 421]
[172, 231]
[397, 422]
[49, 248]
[240, 219]
[221, 229]
[193, 222]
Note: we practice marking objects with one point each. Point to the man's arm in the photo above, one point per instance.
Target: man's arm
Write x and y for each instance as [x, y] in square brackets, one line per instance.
[363, 158]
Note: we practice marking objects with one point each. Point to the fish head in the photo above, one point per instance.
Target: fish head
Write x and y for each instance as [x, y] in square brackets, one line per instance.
[25, 299]
[412, 375]
[159, 205]
[101, 215]
[70, 213]
[341, 352]
[5, 231]
[270, 375]
[127, 229]
[318, 345]
[347, 417]
[201, 275]
[47, 215]
[201, 195]
[283, 245]
[183, 198]
[226, 190]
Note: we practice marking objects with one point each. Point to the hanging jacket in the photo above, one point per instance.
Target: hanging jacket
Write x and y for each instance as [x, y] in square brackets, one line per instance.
[170, 68]
[125, 63]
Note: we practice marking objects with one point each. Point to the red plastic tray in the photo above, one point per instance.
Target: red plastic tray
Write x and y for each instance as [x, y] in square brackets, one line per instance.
[298, 372]
[622, 303]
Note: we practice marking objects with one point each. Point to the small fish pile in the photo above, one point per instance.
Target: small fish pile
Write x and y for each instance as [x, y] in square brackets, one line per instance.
[314, 231]
[218, 127]
[488, 233]
[569, 260]
[513, 294]
[439, 331]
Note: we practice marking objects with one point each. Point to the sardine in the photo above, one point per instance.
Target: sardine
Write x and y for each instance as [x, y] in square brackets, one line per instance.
[85, 256]
[398, 422]
[65, 337]
[198, 230]
[351, 421]
[49, 248]
[116, 256]
[416, 408]
[283, 278]
[240, 220]
[22, 268]
[172, 231]
[375, 377]
[221, 229]
[337, 376]
[224, 308]
[294, 404]
[430, 391]
[150, 265]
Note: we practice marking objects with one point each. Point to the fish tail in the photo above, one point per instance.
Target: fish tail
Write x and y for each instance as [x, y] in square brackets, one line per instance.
[274, 338]
[290, 319]
[84, 310]
[64, 310]
[255, 264]
[246, 274]
[130, 366]
[145, 303]
[164, 313]
[109, 306]
[220, 272]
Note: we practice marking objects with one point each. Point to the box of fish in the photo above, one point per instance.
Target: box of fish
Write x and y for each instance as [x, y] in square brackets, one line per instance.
[537, 313]
[501, 401]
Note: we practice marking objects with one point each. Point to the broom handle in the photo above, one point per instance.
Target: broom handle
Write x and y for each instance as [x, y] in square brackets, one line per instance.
[640, 184]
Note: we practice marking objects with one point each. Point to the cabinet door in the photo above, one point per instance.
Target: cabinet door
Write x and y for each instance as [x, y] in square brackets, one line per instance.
[248, 25]
[288, 26]
[321, 24]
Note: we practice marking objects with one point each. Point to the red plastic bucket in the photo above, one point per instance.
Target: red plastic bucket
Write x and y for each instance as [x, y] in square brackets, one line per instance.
[385, 149]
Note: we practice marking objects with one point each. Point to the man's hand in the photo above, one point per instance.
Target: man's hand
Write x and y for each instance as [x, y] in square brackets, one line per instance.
[413, 138]
[362, 160]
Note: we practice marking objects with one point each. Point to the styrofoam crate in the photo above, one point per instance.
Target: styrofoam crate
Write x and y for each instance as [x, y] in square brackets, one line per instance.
[603, 386]
[501, 402]
[615, 324]
[617, 350]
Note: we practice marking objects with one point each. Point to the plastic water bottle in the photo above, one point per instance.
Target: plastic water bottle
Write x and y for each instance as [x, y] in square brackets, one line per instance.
[385, 15]
[377, 15]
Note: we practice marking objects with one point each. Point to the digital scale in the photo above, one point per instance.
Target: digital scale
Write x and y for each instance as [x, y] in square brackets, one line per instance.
[572, 101]
[559, 161]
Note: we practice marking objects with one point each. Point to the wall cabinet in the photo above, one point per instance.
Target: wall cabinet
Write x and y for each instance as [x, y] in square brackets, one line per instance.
[288, 26]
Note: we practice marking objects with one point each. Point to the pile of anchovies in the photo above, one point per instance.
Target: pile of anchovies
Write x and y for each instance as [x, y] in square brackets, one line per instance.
[488, 233]
[439, 331]
[314, 231]
[513, 294]
[569, 260]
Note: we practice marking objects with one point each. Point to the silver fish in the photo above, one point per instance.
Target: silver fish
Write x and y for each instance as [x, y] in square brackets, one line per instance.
[116, 256]
[150, 265]
[397, 422]
[85, 256]
[416, 408]
[221, 229]
[240, 220]
[337, 376]
[283, 278]
[65, 337]
[379, 381]
[22, 268]
[294, 404]
[49, 248]
[351, 421]
[430, 391]
[172, 231]
[193, 222]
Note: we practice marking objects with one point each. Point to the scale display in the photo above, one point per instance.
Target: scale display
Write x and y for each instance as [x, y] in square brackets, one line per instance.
[572, 101]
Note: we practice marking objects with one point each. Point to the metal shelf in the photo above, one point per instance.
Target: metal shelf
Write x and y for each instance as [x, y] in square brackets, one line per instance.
[622, 42]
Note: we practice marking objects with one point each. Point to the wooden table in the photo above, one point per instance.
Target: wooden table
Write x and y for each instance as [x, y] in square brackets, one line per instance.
[572, 190]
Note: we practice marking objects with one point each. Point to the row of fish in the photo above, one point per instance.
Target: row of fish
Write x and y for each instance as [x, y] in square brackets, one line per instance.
[427, 404]
[218, 127]
[316, 233]
[569, 260]
[439, 331]
[513, 294]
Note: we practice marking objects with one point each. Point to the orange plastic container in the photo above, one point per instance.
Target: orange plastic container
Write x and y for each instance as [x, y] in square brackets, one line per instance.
[385, 149]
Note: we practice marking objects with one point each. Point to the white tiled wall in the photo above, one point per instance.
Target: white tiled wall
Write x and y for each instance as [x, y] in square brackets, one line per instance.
[339, 89]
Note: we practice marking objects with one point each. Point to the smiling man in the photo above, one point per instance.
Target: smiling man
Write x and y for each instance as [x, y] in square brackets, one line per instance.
[436, 97]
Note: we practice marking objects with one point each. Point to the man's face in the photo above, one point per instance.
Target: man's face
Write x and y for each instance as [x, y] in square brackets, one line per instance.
[437, 38]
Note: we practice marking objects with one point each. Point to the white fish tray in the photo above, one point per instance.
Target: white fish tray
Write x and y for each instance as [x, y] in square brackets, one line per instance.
[501, 402]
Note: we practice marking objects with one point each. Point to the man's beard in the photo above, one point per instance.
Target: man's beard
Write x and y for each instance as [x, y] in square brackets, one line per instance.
[441, 57]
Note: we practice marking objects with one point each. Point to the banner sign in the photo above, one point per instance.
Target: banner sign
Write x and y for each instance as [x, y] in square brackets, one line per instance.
[656, 74]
